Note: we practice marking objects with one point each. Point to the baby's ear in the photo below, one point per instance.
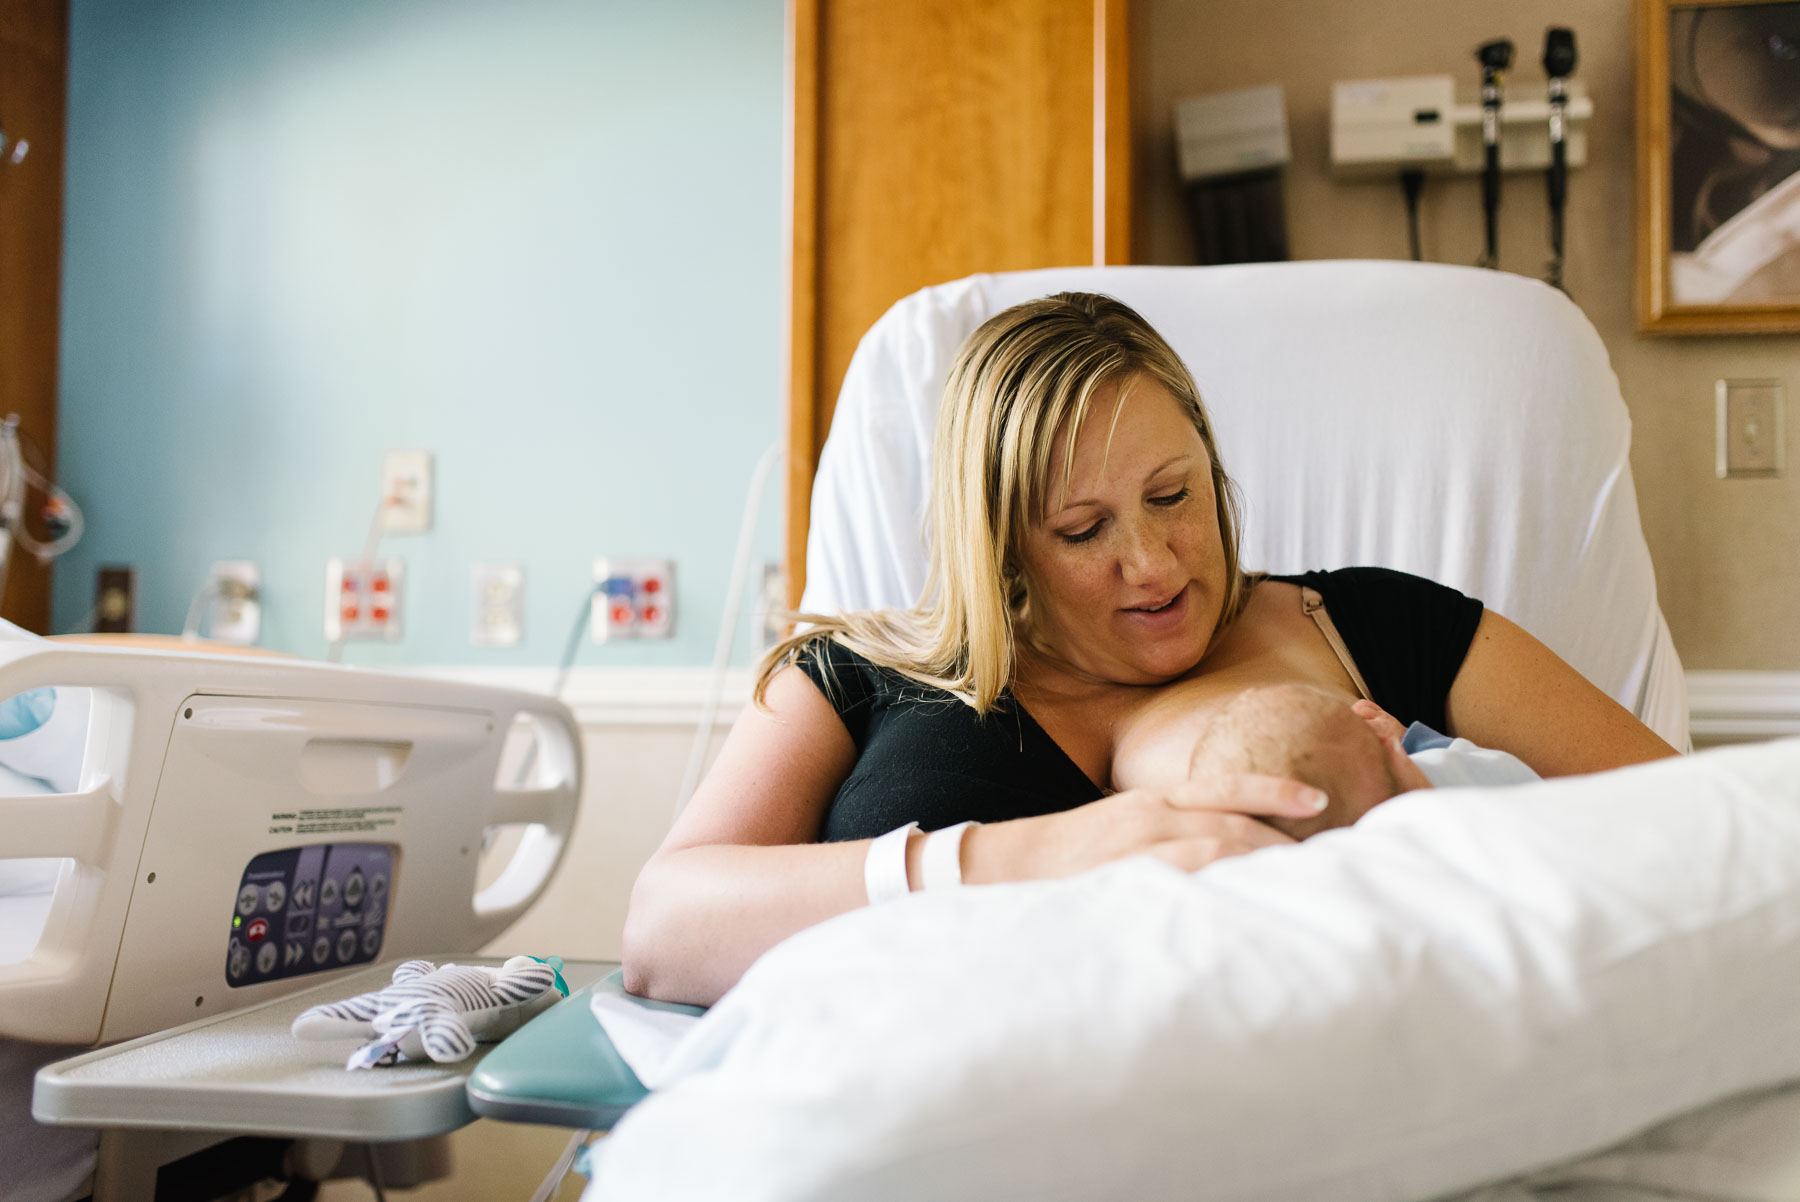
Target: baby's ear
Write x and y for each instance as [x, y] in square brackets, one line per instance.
[1409, 774]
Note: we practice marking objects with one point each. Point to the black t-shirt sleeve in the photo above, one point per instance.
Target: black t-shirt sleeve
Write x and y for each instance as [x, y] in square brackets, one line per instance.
[1408, 636]
[850, 683]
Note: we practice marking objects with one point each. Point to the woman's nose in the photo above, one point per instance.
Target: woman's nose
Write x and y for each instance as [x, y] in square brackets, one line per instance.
[1147, 556]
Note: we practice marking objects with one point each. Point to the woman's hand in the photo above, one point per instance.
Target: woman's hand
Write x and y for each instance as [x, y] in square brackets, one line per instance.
[1188, 825]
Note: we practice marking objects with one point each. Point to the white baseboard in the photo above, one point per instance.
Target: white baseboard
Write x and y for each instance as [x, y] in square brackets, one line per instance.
[619, 696]
[1726, 707]
[1735, 707]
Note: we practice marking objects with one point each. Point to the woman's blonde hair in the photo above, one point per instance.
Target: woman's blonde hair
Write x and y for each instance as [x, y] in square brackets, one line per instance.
[1028, 375]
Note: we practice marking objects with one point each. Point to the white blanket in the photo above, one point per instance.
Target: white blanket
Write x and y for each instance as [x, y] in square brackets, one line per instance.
[1468, 986]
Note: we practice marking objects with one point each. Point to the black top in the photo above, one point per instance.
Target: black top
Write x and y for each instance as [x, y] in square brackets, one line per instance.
[925, 756]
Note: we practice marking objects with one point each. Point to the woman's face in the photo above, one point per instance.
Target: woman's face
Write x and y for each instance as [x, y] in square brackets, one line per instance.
[1125, 573]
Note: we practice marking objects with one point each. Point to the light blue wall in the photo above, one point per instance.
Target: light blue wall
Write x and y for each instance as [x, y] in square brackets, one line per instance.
[540, 238]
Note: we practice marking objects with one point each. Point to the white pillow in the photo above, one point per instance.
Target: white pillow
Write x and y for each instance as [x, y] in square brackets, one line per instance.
[1468, 985]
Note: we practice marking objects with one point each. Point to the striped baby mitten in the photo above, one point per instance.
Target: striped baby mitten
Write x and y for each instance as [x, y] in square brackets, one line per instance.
[440, 1013]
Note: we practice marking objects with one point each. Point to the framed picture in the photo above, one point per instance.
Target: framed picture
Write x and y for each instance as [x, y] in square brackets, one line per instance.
[1718, 171]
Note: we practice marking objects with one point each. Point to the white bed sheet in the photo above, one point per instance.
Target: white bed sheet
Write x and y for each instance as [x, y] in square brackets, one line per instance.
[1468, 986]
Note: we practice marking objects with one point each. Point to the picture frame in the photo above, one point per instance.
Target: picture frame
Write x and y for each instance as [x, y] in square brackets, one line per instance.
[1718, 166]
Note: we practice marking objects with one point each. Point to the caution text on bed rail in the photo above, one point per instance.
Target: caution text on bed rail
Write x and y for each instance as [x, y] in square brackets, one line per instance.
[334, 821]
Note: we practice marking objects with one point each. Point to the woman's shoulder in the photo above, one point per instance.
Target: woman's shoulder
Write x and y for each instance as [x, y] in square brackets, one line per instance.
[1367, 584]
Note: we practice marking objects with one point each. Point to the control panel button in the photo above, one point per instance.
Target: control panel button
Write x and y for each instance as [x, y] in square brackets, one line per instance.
[303, 894]
[265, 958]
[275, 897]
[321, 949]
[238, 962]
[328, 892]
[346, 945]
[258, 930]
[247, 899]
[371, 940]
[353, 888]
[293, 953]
[299, 924]
[378, 885]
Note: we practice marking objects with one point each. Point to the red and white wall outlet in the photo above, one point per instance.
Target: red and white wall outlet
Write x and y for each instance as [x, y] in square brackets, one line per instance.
[633, 599]
[363, 604]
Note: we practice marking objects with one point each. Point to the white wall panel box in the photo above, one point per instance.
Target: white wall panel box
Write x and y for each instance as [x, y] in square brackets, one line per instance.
[497, 617]
[406, 492]
[361, 605]
[236, 606]
[1382, 126]
[633, 599]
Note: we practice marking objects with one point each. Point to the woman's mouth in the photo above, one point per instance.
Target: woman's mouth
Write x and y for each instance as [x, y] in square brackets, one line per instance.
[1167, 608]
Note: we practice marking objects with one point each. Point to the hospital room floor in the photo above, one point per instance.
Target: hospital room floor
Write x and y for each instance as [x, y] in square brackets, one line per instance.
[490, 1162]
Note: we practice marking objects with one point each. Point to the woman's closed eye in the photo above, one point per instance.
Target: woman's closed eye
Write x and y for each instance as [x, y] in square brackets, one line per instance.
[1086, 533]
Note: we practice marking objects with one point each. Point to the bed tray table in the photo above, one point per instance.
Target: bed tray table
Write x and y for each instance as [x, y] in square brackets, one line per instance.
[163, 1096]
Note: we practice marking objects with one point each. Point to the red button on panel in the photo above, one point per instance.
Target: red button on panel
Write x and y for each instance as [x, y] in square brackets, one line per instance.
[381, 584]
[653, 585]
[621, 613]
[652, 614]
[257, 930]
[379, 614]
[350, 612]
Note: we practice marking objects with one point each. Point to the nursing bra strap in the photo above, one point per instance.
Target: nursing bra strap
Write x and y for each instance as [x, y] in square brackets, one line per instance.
[1314, 607]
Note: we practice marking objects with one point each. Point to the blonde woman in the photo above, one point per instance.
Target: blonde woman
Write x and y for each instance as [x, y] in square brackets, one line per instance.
[1084, 602]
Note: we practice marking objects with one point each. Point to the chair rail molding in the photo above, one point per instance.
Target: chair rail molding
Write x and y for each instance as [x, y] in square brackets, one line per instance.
[618, 696]
[1735, 707]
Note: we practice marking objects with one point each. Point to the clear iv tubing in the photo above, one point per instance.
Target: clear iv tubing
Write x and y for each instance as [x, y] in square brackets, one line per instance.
[740, 568]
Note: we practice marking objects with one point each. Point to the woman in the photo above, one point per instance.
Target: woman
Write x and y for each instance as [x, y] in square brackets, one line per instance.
[1084, 560]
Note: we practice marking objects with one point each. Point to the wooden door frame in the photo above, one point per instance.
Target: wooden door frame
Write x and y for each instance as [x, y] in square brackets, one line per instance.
[805, 433]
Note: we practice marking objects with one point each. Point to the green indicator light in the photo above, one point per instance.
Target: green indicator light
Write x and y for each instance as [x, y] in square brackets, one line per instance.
[237, 920]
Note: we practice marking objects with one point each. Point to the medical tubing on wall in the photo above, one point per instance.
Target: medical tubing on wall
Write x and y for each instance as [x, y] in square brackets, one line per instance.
[740, 568]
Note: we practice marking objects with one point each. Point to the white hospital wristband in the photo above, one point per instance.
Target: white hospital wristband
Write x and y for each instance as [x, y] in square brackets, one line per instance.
[940, 860]
[884, 869]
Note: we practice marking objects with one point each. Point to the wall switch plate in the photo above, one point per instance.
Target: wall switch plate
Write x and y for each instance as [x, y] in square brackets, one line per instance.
[115, 599]
[406, 492]
[237, 602]
[359, 606]
[633, 599]
[1751, 430]
[498, 615]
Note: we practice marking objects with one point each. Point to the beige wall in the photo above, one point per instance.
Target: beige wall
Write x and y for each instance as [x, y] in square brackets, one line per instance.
[1727, 552]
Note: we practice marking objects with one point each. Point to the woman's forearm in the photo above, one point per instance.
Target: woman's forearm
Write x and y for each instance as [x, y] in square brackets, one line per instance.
[701, 915]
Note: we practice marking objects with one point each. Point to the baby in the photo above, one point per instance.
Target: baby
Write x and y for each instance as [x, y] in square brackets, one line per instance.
[1357, 754]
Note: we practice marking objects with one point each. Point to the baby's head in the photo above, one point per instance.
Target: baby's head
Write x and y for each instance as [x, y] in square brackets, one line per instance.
[1308, 735]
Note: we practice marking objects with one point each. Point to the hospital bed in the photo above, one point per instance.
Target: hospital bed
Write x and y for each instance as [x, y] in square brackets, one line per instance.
[218, 831]
[1460, 425]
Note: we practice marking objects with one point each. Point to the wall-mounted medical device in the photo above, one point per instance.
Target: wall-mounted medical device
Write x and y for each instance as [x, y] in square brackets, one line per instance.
[1383, 126]
[1230, 148]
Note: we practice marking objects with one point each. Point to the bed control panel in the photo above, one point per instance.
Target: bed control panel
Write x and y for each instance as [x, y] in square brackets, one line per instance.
[307, 909]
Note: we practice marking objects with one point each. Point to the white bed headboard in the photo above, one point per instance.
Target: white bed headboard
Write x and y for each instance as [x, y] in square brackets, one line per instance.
[1460, 424]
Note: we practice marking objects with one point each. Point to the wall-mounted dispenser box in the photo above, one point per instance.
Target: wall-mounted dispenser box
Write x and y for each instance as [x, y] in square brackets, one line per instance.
[1383, 126]
[1231, 147]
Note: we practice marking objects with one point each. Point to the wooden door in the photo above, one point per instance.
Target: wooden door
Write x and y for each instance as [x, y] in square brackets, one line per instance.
[931, 139]
[34, 51]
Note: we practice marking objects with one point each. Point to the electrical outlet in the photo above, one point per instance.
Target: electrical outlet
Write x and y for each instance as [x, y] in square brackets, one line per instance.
[498, 617]
[633, 599]
[115, 599]
[1750, 434]
[363, 608]
[237, 602]
[406, 492]
[770, 622]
